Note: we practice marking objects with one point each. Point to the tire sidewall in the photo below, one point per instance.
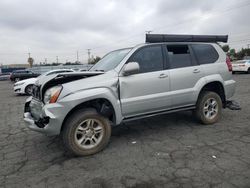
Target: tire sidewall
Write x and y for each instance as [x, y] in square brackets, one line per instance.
[26, 89]
[200, 105]
[71, 126]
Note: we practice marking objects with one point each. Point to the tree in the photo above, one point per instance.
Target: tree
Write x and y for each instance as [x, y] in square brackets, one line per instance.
[225, 48]
[30, 61]
[94, 60]
[232, 54]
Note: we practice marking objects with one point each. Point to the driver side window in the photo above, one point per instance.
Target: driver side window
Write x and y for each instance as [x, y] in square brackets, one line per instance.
[149, 58]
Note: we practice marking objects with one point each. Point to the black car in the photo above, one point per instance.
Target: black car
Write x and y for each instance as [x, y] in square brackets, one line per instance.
[22, 74]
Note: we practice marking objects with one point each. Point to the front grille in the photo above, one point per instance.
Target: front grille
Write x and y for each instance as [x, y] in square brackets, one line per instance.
[36, 92]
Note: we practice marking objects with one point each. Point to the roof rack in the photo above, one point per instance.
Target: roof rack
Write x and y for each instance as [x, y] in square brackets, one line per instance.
[154, 38]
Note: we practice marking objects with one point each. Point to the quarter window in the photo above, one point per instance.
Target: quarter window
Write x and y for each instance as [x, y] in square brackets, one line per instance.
[149, 59]
[205, 53]
[179, 56]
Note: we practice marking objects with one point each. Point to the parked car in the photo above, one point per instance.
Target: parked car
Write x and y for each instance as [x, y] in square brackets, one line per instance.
[26, 86]
[158, 77]
[4, 76]
[18, 75]
[241, 66]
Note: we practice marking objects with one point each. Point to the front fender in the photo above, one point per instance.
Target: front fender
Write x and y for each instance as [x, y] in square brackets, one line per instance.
[79, 97]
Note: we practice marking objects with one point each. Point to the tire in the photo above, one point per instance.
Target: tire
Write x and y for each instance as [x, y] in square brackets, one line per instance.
[208, 107]
[17, 79]
[28, 89]
[79, 132]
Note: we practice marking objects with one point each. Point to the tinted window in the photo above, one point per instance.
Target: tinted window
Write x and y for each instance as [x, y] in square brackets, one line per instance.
[149, 58]
[205, 53]
[179, 56]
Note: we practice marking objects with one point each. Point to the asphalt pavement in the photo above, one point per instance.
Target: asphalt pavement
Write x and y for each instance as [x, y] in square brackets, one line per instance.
[165, 151]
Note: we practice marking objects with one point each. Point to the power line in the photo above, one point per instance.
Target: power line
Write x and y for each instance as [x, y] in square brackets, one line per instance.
[218, 11]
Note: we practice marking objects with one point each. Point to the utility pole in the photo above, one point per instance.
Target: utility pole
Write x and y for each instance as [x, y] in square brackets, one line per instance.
[45, 60]
[148, 32]
[77, 57]
[29, 54]
[57, 59]
[88, 55]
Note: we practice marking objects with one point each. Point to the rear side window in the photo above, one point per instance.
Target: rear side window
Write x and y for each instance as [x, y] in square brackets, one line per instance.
[149, 59]
[179, 56]
[205, 53]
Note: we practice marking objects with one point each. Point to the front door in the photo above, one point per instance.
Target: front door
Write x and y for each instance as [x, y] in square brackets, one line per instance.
[146, 91]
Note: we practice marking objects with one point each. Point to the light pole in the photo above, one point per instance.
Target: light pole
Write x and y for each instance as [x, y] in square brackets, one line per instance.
[88, 55]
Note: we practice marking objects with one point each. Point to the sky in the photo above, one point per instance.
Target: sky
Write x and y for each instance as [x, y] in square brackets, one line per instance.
[48, 29]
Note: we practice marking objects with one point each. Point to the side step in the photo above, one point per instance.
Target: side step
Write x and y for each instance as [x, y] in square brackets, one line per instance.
[127, 119]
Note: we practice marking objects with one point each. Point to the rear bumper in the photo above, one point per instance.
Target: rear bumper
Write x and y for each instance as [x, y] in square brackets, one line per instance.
[240, 69]
[229, 86]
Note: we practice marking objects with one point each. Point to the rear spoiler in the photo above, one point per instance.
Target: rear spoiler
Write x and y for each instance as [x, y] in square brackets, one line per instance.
[154, 38]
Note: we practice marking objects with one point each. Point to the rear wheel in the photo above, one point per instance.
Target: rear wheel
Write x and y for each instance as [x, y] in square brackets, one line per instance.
[28, 89]
[208, 107]
[86, 132]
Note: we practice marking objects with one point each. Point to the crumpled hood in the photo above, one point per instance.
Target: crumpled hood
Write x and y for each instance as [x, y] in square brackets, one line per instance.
[41, 81]
[106, 80]
[49, 81]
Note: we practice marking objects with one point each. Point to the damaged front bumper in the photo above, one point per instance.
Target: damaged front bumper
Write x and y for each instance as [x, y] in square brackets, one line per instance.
[42, 118]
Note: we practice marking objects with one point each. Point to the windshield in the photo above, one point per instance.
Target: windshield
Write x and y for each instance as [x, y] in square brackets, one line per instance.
[110, 61]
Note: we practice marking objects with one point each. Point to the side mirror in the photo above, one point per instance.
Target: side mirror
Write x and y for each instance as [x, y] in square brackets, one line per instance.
[131, 68]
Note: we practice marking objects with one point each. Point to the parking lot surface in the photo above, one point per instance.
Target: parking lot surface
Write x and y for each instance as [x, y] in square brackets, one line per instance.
[171, 150]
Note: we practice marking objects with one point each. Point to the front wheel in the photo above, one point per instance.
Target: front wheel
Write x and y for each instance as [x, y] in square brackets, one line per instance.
[208, 107]
[28, 89]
[86, 132]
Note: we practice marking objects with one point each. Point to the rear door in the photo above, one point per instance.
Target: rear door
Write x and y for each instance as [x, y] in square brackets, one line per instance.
[206, 56]
[184, 74]
[146, 91]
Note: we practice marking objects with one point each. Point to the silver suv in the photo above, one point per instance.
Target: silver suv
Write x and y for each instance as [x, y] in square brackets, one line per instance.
[166, 74]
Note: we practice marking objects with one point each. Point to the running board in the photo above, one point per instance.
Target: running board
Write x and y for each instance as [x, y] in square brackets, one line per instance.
[158, 113]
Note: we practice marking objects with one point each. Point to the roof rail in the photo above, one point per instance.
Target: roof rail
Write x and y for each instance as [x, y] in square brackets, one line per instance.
[154, 38]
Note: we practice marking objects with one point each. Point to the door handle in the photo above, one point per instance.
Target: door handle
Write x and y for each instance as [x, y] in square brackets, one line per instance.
[196, 71]
[163, 75]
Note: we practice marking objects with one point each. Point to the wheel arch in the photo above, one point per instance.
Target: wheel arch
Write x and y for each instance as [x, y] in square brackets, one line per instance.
[101, 105]
[217, 87]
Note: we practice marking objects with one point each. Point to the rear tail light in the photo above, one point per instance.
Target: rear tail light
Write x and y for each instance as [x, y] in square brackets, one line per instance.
[229, 64]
